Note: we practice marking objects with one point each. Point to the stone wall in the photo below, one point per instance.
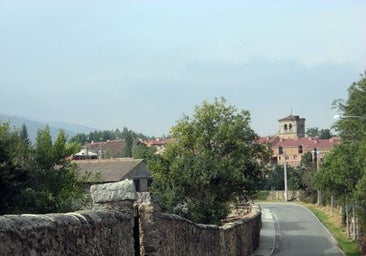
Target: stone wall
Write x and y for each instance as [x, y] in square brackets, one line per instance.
[79, 233]
[105, 230]
[174, 235]
[280, 195]
[183, 237]
[120, 222]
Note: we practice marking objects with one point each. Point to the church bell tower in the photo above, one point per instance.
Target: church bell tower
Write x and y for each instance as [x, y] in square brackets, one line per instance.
[291, 127]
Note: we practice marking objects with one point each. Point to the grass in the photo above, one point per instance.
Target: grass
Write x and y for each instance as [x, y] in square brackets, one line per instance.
[332, 221]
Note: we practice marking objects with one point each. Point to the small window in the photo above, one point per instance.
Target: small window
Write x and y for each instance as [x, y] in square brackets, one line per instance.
[137, 185]
[285, 126]
[280, 150]
[290, 126]
[300, 149]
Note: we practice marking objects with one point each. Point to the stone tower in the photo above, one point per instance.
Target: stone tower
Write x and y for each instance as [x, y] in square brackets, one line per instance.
[291, 127]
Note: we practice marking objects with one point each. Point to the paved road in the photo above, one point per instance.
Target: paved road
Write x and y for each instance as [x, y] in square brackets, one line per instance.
[299, 232]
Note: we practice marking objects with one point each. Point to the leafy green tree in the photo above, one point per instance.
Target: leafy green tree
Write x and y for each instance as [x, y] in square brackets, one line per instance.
[312, 132]
[353, 128]
[129, 138]
[339, 172]
[343, 172]
[12, 172]
[325, 134]
[212, 162]
[55, 182]
[43, 181]
[141, 151]
[322, 134]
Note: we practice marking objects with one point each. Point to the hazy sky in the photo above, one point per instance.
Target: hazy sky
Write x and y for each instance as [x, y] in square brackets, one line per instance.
[143, 64]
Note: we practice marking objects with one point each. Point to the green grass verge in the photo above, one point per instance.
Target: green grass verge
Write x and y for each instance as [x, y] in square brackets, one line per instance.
[349, 247]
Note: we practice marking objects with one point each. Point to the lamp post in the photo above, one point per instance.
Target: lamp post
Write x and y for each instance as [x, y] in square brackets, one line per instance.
[317, 169]
[285, 177]
[341, 117]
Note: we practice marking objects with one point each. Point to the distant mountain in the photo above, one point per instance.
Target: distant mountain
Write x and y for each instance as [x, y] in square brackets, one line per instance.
[33, 125]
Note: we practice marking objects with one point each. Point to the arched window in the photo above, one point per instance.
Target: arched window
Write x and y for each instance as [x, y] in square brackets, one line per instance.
[285, 126]
[290, 127]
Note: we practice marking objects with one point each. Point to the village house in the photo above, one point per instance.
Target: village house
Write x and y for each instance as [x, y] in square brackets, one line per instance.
[113, 170]
[159, 144]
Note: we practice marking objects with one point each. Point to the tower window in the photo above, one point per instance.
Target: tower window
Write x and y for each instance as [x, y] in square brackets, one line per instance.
[285, 126]
[290, 126]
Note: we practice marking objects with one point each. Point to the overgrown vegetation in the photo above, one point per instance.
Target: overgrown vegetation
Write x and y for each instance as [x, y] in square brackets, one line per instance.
[333, 222]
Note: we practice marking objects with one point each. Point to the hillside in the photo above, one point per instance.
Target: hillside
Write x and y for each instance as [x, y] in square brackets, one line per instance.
[34, 125]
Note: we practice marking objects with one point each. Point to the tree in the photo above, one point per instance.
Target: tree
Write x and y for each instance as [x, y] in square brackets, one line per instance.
[322, 134]
[325, 134]
[43, 181]
[213, 161]
[12, 172]
[312, 132]
[141, 151]
[343, 172]
[129, 138]
[54, 182]
[339, 172]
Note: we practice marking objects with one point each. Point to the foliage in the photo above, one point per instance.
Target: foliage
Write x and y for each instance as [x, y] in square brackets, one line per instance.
[141, 151]
[12, 173]
[212, 163]
[98, 136]
[36, 179]
[322, 134]
[339, 174]
[343, 172]
[353, 128]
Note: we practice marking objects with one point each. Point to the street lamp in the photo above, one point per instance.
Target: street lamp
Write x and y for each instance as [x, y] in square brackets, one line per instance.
[285, 177]
[317, 169]
[341, 117]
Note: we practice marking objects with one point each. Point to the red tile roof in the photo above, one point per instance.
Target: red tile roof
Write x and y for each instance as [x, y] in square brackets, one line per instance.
[158, 142]
[307, 142]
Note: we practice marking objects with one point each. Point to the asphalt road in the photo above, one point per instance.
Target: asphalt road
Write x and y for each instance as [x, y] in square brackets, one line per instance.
[299, 232]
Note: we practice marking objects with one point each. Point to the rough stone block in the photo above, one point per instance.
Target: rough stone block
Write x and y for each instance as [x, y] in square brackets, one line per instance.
[113, 192]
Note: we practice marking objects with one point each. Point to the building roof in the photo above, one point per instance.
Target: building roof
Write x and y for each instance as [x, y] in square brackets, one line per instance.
[158, 142]
[291, 118]
[114, 148]
[85, 152]
[110, 170]
[268, 139]
[307, 142]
